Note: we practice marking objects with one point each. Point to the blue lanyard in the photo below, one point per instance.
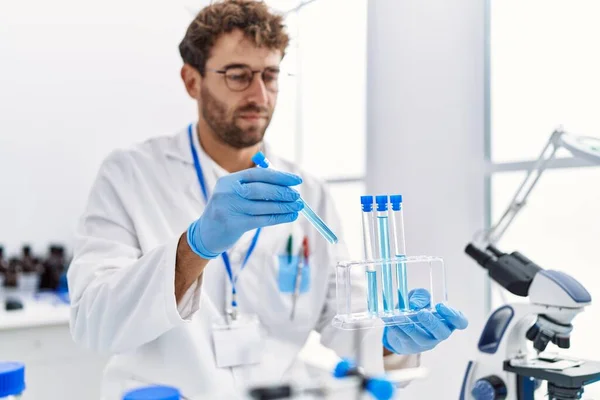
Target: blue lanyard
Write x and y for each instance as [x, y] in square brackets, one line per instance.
[224, 256]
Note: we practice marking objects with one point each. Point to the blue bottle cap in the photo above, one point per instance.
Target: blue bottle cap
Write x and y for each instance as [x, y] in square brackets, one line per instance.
[12, 378]
[342, 368]
[396, 200]
[153, 393]
[367, 203]
[382, 202]
[260, 160]
[380, 388]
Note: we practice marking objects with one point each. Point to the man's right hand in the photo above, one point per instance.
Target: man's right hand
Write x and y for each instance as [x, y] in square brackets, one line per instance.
[243, 201]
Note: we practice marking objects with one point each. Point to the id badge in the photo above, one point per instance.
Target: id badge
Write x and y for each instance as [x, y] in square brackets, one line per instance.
[238, 342]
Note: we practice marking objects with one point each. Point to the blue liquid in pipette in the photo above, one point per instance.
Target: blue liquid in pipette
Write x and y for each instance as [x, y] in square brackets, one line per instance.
[386, 269]
[318, 223]
[401, 283]
[372, 291]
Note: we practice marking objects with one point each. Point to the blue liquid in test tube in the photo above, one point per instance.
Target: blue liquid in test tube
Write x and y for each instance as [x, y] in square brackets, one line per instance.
[372, 291]
[399, 249]
[261, 161]
[384, 252]
[368, 225]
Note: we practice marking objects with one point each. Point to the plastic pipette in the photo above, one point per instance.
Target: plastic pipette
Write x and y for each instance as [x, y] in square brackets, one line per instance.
[261, 161]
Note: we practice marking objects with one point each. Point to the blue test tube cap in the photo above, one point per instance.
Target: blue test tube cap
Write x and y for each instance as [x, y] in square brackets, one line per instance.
[396, 200]
[366, 203]
[12, 378]
[382, 202]
[261, 160]
[157, 392]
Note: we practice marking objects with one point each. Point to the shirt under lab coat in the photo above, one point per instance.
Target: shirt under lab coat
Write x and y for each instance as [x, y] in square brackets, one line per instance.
[121, 279]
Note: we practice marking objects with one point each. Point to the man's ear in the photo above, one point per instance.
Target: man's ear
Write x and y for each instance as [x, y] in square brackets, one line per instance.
[192, 80]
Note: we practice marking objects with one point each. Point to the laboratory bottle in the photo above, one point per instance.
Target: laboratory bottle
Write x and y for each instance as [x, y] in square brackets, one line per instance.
[11, 285]
[3, 271]
[383, 245]
[12, 380]
[3, 263]
[12, 273]
[29, 277]
[53, 268]
[368, 226]
[27, 261]
[155, 392]
[399, 249]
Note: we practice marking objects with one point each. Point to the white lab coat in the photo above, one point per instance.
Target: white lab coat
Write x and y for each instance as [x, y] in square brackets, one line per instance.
[121, 279]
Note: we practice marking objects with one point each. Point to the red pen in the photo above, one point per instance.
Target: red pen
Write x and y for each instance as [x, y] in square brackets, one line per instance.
[305, 249]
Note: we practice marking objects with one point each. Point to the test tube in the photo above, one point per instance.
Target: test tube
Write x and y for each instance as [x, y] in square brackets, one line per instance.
[383, 240]
[368, 225]
[399, 249]
[261, 161]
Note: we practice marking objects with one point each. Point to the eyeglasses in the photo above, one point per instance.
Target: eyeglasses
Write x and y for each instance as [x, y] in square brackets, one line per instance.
[239, 78]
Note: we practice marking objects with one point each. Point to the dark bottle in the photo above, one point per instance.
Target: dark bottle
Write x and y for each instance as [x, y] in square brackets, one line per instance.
[3, 269]
[12, 274]
[63, 285]
[27, 260]
[54, 266]
[38, 265]
[3, 263]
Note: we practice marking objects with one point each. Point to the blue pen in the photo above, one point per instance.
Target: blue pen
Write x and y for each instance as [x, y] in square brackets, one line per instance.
[261, 161]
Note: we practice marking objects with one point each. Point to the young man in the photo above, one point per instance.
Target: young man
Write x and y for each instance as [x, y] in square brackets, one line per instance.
[172, 222]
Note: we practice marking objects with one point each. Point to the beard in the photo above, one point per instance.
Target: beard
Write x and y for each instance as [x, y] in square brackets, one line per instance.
[223, 124]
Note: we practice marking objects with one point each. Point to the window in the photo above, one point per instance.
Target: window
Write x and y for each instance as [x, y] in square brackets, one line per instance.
[544, 74]
[320, 121]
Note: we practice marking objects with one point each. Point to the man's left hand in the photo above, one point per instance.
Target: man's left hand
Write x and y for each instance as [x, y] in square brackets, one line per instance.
[425, 329]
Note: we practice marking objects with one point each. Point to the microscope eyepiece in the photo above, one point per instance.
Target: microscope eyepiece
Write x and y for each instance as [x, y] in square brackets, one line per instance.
[480, 256]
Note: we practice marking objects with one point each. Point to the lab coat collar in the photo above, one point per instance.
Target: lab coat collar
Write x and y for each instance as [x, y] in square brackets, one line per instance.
[179, 147]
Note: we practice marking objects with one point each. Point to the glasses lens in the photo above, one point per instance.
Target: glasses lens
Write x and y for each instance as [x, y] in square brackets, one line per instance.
[238, 78]
[271, 79]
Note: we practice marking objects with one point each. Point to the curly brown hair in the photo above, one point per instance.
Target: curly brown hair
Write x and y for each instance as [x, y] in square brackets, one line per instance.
[259, 24]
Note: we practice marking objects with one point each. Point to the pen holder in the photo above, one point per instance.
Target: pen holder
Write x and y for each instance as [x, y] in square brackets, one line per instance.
[373, 293]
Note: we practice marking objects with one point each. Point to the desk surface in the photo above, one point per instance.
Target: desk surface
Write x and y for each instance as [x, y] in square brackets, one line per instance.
[35, 314]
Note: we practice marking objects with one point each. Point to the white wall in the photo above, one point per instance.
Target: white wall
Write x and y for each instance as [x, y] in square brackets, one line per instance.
[426, 140]
[76, 80]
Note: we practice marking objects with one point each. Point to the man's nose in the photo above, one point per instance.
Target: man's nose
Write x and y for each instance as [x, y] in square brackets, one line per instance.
[257, 91]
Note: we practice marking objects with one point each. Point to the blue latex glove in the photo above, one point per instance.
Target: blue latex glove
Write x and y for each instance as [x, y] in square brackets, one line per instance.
[424, 330]
[243, 201]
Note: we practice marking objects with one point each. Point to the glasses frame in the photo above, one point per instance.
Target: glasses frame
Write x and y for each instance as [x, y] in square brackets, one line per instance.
[262, 72]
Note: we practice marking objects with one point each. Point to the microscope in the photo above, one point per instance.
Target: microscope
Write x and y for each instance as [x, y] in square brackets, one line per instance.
[506, 366]
[511, 363]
